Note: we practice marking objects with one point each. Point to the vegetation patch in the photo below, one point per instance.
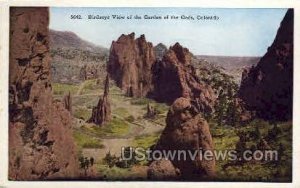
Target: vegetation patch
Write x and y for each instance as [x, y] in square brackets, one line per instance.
[116, 127]
[161, 108]
[113, 173]
[61, 89]
[85, 141]
[140, 101]
[145, 141]
[91, 86]
[278, 137]
[82, 113]
[121, 112]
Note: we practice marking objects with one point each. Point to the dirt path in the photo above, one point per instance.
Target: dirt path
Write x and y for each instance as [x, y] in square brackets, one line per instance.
[111, 143]
[114, 146]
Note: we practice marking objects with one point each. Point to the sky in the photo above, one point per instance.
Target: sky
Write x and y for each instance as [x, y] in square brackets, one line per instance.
[237, 32]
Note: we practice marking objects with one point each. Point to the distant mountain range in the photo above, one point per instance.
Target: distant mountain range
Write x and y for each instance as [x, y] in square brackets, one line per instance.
[68, 39]
[232, 65]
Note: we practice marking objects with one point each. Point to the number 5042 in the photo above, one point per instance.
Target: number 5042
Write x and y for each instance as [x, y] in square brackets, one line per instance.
[75, 16]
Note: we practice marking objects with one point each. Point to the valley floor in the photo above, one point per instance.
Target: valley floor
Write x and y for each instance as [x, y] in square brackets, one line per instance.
[129, 127]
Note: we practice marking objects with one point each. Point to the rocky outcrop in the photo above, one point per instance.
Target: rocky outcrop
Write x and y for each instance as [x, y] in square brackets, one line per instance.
[160, 50]
[102, 112]
[268, 87]
[151, 111]
[91, 71]
[133, 66]
[174, 76]
[68, 102]
[40, 135]
[162, 170]
[130, 63]
[187, 130]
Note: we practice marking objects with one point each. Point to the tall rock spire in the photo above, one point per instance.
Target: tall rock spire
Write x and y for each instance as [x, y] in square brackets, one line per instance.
[68, 102]
[102, 112]
[130, 63]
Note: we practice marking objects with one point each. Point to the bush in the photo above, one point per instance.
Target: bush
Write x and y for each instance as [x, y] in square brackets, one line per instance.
[130, 119]
[82, 113]
[110, 160]
[129, 158]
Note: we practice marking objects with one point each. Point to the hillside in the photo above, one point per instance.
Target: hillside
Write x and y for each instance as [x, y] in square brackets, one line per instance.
[232, 65]
[68, 39]
[75, 59]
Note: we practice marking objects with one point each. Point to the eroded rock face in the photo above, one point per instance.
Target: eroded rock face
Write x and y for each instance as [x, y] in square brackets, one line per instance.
[130, 63]
[187, 130]
[40, 136]
[175, 77]
[137, 71]
[268, 87]
[102, 112]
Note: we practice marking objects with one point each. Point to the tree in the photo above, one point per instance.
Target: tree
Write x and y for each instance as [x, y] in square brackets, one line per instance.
[110, 160]
[220, 108]
[92, 161]
[231, 115]
[257, 132]
[84, 164]
[129, 155]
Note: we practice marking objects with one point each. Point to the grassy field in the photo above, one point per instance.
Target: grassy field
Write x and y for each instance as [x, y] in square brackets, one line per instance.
[61, 89]
[85, 141]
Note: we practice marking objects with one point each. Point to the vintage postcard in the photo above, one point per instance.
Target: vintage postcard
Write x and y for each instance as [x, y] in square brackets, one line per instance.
[150, 94]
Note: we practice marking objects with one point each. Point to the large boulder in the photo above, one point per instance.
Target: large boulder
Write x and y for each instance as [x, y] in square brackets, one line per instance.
[268, 87]
[130, 63]
[41, 145]
[187, 130]
[162, 170]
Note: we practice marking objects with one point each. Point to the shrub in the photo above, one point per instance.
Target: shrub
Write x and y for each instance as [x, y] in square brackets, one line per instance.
[130, 119]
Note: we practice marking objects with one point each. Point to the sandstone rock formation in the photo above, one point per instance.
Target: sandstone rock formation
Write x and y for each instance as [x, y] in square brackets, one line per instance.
[102, 112]
[175, 77]
[130, 64]
[151, 111]
[68, 102]
[91, 71]
[268, 87]
[40, 136]
[133, 65]
[162, 170]
[187, 130]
